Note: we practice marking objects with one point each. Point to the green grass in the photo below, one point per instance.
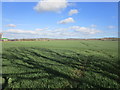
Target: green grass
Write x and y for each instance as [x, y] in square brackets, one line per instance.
[61, 64]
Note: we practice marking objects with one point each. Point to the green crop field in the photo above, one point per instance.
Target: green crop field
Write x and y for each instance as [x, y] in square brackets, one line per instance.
[60, 64]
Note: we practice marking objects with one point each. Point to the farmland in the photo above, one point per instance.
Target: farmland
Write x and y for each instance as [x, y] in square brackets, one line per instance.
[60, 64]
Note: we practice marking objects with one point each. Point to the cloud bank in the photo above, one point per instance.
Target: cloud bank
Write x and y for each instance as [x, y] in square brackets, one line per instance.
[70, 32]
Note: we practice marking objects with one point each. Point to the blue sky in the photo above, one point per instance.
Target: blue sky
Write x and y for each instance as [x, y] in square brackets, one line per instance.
[33, 20]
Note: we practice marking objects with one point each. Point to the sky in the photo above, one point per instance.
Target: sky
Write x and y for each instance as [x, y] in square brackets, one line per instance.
[59, 19]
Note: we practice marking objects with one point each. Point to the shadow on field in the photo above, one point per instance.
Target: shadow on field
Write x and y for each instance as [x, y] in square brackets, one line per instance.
[103, 67]
[45, 60]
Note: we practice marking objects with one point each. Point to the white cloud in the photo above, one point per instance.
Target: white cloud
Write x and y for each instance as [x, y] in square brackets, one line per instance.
[67, 20]
[51, 5]
[93, 26]
[73, 11]
[11, 25]
[85, 30]
[111, 27]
